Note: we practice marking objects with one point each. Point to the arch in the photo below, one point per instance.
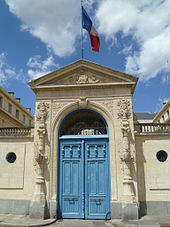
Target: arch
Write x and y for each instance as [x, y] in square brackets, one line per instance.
[67, 109]
[83, 121]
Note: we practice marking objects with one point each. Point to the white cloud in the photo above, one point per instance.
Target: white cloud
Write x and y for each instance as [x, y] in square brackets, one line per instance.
[148, 23]
[6, 71]
[166, 79]
[56, 23]
[40, 67]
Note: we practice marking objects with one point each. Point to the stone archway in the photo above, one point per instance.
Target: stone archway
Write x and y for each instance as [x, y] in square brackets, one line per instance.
[63, 111]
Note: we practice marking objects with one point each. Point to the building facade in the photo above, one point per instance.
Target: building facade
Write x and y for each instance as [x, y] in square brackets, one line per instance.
[12, 113]
[164, 115]
[87, 156]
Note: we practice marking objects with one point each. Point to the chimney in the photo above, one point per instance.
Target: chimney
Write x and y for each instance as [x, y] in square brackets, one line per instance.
[11, 93]
[18, 100]
[29, 110]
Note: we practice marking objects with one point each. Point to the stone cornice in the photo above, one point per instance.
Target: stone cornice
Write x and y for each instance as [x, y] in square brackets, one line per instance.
[96, 85]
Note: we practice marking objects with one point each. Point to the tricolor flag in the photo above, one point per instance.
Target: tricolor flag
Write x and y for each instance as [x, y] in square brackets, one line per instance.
[88, 25]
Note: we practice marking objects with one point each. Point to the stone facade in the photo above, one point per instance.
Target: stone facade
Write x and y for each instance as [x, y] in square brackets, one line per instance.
[136, 173]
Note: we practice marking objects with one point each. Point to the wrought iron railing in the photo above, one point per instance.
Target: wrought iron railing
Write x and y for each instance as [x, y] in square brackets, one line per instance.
[16, 131]
[152, 127]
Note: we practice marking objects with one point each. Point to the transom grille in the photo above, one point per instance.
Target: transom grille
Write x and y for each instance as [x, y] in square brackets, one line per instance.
[83, 123]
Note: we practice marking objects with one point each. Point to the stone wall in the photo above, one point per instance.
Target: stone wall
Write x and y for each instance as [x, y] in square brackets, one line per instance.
[153, 174]
[16, 174]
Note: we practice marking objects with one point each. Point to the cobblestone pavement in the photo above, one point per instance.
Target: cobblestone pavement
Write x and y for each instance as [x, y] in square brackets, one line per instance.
[7, 220]
[81, 223]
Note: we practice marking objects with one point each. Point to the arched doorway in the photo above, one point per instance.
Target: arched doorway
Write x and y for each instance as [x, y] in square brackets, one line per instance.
[84, 167]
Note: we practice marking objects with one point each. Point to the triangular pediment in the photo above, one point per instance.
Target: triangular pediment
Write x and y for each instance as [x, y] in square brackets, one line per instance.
[83, 72]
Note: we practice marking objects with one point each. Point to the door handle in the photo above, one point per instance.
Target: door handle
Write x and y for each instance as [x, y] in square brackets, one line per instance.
[70, 199]
[96, 200]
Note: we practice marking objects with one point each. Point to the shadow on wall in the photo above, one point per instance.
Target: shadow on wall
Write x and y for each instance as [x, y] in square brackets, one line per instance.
[140, 160]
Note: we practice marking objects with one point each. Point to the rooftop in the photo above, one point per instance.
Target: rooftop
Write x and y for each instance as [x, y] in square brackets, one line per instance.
[146, 115]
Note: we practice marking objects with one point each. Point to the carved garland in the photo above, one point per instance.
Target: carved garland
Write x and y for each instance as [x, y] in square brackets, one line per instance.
[42, 115]
[124, 110]
[126, 157]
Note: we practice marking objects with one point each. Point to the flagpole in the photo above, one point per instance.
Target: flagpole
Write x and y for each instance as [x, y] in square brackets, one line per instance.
[82, 54]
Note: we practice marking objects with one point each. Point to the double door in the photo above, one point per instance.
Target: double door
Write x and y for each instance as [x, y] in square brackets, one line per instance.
[84, 182]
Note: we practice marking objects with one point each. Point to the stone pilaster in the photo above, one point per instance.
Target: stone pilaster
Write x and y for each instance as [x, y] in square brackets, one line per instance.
[38, 203]
[129, 204]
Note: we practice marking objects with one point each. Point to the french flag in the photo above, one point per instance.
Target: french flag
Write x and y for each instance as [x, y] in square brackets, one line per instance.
[88, 25]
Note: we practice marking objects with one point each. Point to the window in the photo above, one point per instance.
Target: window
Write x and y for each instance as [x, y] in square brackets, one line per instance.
[11, 157]
[168, 112]
[0, 101]
[161, 156]
[29, 123]
[163, 118]
[9, 108]
[17, 114]
[23, 118]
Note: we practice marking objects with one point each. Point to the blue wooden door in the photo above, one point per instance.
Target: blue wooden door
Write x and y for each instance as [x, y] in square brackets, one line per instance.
[84, 183]
[97, 182]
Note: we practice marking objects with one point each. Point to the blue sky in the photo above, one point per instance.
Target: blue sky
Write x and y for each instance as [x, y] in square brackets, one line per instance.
[40, 36]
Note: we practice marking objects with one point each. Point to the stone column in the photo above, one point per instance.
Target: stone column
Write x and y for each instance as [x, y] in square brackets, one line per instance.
[129, 204]
[38, 203]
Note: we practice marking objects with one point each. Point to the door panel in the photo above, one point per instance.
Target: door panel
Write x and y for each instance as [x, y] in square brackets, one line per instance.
[71, 182]
[84, 190]
[97, 179]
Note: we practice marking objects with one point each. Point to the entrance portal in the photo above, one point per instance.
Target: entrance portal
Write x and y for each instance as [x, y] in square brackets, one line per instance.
[84, 167]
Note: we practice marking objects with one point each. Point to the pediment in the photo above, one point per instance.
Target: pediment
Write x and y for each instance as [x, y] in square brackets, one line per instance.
[83, 72]
[82, 76]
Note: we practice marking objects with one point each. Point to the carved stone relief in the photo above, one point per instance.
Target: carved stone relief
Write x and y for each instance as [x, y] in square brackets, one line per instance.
[42, 111]
[124, 109]
[126, 156]
[42, 115]
[109, 105]
[57, 106]
[83, 77]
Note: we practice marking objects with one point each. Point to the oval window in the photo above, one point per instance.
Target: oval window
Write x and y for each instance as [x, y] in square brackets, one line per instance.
[11, 157]
[161, 156]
